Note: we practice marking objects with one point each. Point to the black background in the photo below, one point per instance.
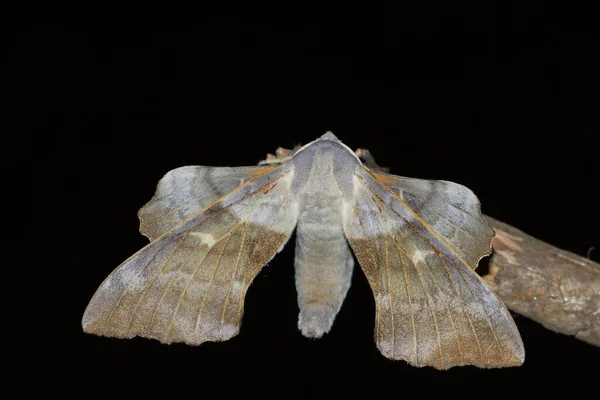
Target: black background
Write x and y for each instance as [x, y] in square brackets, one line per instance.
[502, 101]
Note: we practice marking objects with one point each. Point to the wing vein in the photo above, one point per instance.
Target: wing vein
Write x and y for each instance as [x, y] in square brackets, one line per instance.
[131, 282]
[246, 286]
[237, 264]
[183, 292]
[158, 271]
[466, 314]
[212, 278]
[391, 306]
[484, 315]
[461, 210]
[443, 297]
[170, 281]
[449, 276]
[419, 219]
[430, 302]
[456, 226]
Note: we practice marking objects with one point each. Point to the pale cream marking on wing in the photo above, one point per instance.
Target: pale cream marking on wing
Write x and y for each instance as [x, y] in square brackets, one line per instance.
[205, 238]
[419, 256]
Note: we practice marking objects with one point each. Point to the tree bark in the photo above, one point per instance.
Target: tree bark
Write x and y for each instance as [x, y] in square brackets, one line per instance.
[554, 287]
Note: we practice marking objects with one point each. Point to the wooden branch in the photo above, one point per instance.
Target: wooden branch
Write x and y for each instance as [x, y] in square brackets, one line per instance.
[554, 287]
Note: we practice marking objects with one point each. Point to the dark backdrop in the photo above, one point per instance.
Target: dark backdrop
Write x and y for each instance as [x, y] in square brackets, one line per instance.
[502, 101]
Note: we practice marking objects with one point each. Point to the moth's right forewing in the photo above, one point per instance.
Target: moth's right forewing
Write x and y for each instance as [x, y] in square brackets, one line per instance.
[432, 309]
[189, 284]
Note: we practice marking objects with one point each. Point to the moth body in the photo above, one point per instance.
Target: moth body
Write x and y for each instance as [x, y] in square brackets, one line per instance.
[323, 260]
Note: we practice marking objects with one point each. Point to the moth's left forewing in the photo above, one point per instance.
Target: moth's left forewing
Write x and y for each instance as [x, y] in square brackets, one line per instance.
[432, 309]
[189, 284]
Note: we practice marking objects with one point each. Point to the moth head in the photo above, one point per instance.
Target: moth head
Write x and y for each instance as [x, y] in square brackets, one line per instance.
[283, 155]
[329, 136]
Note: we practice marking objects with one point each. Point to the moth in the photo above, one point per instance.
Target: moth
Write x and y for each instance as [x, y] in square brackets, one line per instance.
[212, 229]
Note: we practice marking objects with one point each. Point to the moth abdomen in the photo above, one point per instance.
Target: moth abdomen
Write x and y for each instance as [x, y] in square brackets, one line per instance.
[323, 264]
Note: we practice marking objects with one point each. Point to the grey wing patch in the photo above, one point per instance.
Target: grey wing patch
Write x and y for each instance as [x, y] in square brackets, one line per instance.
[451, 209]
[184, 191]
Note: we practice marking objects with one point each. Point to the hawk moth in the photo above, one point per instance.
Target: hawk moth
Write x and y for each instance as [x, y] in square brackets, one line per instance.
[212, 229]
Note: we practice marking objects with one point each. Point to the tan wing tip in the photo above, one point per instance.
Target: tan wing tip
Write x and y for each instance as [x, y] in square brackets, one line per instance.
[93, 327]
[104, 331]
[93, 324]
[514, 359]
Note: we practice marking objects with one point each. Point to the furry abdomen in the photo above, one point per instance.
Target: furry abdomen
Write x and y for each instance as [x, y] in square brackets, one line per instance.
[323, 266]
